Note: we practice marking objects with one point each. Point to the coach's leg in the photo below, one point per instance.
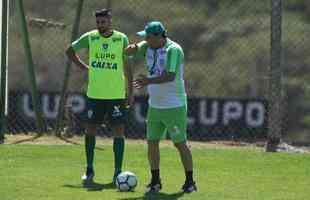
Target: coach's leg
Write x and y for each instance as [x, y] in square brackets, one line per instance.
[187, 160]
[118, 148]
[155, 129]
[177, 129]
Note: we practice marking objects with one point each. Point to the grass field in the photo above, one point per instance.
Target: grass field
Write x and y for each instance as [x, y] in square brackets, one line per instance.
[51, 169]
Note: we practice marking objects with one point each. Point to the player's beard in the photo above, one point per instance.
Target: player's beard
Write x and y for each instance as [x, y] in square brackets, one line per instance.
[104, 30]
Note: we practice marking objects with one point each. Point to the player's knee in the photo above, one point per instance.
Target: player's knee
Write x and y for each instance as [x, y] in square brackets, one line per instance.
[91, 130]
[153, 145]
[118, 131]
[153, 142]
[181, 145]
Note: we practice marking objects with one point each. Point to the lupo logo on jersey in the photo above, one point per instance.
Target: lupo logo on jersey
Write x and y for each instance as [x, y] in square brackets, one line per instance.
[105, 46]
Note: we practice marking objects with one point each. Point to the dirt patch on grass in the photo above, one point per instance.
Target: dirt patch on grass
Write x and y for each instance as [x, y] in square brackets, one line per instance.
[79, 140]
[103, 141]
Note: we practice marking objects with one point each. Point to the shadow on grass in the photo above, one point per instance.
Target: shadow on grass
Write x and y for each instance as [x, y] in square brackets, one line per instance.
[31, 139]
[67, 140]
[76, 143]
[157, 196]
[91, 186]
[35, 137]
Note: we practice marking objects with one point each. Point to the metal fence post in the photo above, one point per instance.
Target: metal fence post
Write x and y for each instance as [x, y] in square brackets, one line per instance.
[3, 73]
[75, 32]
[275, 82]
[30, 64]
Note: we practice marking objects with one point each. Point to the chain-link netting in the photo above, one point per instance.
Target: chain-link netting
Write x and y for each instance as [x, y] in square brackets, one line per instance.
[296, 66]
[227, 58]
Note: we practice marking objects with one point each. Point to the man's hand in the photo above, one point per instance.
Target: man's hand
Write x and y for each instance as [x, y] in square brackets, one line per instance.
[76, 59]
[141, 82]
[130, 100]
[82, 66]
[131, 49]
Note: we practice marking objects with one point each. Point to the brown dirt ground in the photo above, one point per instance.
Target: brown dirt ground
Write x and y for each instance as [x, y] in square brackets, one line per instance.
[78, 140]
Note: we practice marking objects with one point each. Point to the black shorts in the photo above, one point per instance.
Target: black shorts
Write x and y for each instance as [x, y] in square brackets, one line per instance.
[114, 111]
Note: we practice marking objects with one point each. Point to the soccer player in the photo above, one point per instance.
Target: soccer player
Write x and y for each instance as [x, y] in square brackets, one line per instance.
[167, 110]
[109, 92]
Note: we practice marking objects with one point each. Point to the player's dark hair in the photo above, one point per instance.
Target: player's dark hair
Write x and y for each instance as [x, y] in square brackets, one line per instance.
[106, 12]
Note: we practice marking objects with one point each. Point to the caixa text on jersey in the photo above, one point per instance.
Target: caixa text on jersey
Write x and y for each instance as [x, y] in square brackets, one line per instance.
[103, 65]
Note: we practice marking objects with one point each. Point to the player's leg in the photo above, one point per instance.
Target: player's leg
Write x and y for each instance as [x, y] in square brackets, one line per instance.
[118, 148]
[187, 161]
[155, 131]
[94, 115]
[117, 116]
[177, 130]
[90, 143]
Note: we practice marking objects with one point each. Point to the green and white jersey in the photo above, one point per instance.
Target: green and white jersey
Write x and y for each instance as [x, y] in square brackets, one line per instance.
[106, 64]
[169, 58]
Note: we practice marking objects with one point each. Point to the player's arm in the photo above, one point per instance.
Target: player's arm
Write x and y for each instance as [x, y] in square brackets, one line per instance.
[131, 49]
[136, 49]
[81, 43]
[144, 81]
[75, 58]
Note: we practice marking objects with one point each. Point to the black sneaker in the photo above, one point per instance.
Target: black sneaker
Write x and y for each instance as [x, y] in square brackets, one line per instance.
[88, 176]
[189, 187]
[153, 187]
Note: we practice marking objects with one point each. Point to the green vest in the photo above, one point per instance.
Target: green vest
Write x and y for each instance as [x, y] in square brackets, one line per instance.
[106, 66]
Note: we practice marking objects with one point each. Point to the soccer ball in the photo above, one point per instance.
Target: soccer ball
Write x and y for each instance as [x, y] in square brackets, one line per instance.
[126, 181]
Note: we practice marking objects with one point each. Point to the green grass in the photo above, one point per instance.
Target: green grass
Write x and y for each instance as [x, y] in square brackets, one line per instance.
[53, 172]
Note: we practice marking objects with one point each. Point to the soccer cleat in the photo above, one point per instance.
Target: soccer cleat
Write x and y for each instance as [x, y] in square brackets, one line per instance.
[153, 187]
[115, 176]
[88, 176]
[189, 187]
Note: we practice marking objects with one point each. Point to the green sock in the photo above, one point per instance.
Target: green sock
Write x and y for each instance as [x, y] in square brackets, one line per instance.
[90, 143]
[118, 149]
